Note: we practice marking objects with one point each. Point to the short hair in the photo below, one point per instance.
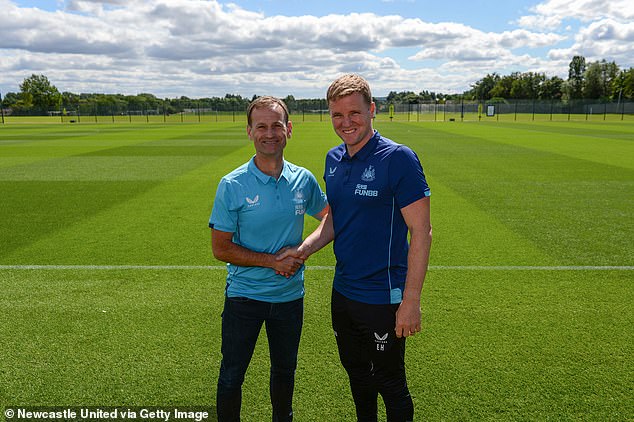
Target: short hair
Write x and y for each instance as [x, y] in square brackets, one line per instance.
[347, 85]
[266, 102]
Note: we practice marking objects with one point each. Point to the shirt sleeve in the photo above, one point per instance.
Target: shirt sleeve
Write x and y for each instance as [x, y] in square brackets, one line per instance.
[407, 178]
[224, 214]
[317, 198]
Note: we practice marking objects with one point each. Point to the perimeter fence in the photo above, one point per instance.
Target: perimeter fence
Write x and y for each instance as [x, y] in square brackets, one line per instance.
[519, 110]
[432, 111]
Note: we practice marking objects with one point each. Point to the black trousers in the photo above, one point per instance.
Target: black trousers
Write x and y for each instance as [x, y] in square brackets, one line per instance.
[373, 357]
[242, 320]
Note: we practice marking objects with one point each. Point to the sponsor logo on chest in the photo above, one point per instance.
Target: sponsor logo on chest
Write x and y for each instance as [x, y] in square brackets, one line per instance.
[362, 190]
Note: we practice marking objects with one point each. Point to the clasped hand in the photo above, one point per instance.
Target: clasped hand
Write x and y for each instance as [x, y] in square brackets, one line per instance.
[287, 261]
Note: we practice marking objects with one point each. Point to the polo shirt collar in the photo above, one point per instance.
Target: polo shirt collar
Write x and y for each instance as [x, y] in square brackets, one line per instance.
[265, 178]
[367, 149]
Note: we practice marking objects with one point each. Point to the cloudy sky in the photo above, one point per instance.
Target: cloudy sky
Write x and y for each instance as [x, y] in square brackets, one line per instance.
[203, 48]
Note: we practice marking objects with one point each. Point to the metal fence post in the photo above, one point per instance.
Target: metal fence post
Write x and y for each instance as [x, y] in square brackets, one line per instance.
[2, 108]
[551, 109]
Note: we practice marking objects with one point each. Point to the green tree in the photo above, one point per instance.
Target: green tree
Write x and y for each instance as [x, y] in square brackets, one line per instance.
[502, 88]
[528, 86]
[592, 84]
[599, 80]
[609, 73]
[481, 90]
[70, 101]
[552, 88]
[10, 99]
[576, 71]
[408, 97]
[291, 103]
[626, 84]
[38, 91]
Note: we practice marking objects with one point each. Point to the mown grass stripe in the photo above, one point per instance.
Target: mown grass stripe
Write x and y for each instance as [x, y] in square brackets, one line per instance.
[328, 267]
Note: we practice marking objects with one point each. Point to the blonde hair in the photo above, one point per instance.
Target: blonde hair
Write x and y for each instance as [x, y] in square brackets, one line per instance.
[347, 85]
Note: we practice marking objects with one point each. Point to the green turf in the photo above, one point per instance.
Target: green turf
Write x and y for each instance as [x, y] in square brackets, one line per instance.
[497, 344]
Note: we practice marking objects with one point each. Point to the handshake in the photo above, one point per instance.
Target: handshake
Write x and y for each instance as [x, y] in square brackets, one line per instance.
[289, 259]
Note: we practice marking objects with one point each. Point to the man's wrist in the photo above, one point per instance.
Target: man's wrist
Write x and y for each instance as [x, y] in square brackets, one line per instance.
[305, 250]
[269, 260]
[411, 298]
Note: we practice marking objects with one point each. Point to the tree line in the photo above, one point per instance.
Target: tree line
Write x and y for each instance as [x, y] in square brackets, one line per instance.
[38, 95]
[599, 80]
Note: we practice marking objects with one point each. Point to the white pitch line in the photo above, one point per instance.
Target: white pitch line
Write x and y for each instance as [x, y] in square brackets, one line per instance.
[328, 268]
[111, 267]
[533, 267]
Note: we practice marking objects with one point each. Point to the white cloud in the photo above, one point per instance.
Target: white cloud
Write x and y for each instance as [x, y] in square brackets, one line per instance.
[202, 47]
[604, 39]
[522, 38]
[540, 22]
[550, 14]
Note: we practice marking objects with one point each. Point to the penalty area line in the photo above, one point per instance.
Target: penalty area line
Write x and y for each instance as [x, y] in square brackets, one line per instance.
[326, 267]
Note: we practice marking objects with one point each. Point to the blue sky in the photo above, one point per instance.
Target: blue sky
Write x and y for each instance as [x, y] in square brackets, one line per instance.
[475, 13]
[209, 48]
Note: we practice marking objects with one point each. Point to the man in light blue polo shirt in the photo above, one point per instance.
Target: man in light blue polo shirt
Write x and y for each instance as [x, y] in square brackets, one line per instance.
[258, 211]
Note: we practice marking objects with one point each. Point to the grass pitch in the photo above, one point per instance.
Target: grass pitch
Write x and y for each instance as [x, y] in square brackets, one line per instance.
[527, 309]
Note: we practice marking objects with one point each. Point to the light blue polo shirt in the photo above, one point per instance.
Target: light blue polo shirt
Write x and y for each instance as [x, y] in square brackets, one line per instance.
[265, 215]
